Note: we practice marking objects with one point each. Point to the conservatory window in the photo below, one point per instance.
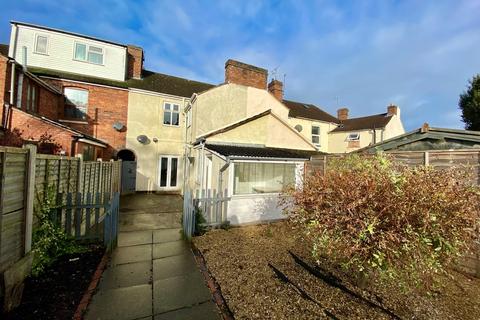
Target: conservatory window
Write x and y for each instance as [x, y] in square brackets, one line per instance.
[258, 177]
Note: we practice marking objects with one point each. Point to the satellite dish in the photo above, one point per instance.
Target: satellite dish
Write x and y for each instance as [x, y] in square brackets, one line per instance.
[118, 126]
[143, 139]
[299, 128]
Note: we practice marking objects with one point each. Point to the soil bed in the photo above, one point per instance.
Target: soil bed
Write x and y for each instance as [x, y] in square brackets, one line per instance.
[58, 291]
[239, 261]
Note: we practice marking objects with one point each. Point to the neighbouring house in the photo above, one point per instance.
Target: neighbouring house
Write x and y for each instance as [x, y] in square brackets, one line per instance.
[88, 73]
[429, 138]
[30, 105]
[354, 133]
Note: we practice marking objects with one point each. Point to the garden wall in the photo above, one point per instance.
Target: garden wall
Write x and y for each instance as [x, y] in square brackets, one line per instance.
[467, 159]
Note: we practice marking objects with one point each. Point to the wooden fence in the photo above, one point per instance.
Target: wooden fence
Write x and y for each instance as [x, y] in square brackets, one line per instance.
[468, 160]
[25, 179]
[212, 205]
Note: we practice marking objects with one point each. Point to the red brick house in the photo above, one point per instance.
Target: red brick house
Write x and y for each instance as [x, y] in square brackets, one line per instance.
[32, 106]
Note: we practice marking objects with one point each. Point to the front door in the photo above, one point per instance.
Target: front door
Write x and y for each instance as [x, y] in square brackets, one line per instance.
[129, 175]
[168, 172]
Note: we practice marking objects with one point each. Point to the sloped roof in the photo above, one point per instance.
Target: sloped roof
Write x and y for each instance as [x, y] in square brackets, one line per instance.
[4, 49]
[163, 83]
[308, 111]
[363, 123]
[76, 77]
[258, 152]
[438, 138]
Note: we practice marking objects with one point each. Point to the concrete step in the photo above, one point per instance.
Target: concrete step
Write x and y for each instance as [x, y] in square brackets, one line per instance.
[149, 221]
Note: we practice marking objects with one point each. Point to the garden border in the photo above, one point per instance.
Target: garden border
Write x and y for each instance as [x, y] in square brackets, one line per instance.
[212, 284]
[87, 296]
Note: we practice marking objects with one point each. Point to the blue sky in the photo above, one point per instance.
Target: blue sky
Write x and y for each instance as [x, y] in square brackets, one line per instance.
[360, 54]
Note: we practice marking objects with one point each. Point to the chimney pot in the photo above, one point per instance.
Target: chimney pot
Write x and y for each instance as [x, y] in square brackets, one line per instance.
[275, 87]
[245, 74]
[342, 114]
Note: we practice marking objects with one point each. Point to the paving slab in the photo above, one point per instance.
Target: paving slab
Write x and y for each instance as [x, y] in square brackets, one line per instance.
[134, 238]
[125, 275]
[121, 304]
[168, 249]
[178, 292]
[166, 235]
[155, 203]
[132, 254]
[173, 266]
[146, 221]
[204, 311]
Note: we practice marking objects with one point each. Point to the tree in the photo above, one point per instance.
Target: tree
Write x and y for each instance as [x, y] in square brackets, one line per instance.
[469, 103]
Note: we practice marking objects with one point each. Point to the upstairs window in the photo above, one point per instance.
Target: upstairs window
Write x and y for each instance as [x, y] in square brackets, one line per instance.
[353, 137]
[316, 135]
[76, 102]
[41, 44]
[87, 53]
[32, 93]
[171, 114]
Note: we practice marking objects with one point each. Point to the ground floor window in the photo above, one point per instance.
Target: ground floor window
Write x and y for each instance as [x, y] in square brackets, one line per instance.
[258, 177]
[168, 171]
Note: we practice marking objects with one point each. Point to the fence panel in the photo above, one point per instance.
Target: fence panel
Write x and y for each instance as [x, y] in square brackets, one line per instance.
[13, 164]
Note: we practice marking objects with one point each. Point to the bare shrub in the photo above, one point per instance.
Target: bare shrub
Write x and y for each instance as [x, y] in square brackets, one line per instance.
[378, 218]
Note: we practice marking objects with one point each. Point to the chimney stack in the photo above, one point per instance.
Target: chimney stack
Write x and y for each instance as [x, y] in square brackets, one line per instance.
[245, 74]
[342, 114]
[393, 110]
[275, 87]
[135, 62]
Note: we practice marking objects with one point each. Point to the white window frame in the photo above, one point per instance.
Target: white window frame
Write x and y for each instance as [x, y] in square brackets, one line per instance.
[36, 43]
[315, 135]
[171, 111]
[169, 171]
[354, 136]
[87, 50]
[299, 167]
[71, 105]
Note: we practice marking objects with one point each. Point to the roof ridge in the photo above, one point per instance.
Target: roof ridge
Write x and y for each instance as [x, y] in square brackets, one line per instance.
[169, 75]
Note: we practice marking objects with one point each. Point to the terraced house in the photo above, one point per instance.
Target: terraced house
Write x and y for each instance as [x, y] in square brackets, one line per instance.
[97, 100]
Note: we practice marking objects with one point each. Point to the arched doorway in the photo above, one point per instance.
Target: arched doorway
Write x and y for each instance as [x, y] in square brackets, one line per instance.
[129, 170]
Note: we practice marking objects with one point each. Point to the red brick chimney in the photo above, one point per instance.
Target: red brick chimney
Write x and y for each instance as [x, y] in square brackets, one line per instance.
[393, 110]
[135, 62]
[342, 114]
[245, 74]
[275, 87]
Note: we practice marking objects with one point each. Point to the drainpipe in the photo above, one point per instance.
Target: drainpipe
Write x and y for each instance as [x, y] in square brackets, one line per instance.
[7, 106]
[202, 158]
[220, 175]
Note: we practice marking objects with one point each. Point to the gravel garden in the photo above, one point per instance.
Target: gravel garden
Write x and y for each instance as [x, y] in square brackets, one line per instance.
[239, 260]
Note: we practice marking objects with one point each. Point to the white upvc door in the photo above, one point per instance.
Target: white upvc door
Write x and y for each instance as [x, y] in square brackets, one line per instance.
[168, 172]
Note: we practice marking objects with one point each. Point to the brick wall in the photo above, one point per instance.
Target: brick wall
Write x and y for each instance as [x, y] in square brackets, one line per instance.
[3, 79]
[32, 128]
[48, 104]
[275, 87]
[245, 74]
[106, 105]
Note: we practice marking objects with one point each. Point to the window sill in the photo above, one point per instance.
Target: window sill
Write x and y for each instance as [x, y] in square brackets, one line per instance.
[73, 121]
[86, 61]
[171, 125]
[41, 53]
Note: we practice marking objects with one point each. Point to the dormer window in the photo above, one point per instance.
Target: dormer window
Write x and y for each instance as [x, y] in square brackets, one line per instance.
[88, 53]
[41, 44]
[353, 136]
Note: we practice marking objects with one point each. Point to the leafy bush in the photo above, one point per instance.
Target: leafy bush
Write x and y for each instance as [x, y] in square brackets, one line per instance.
[376, 217]
[49, 240]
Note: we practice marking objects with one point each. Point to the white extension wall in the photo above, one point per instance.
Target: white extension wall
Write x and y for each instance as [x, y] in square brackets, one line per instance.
[60, 53]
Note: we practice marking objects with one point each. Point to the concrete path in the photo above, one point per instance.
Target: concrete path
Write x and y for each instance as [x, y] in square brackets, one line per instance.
[152, 273]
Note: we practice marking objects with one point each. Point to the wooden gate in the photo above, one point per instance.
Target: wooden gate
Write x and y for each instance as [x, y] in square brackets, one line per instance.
[129, 175]
[90, 217]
